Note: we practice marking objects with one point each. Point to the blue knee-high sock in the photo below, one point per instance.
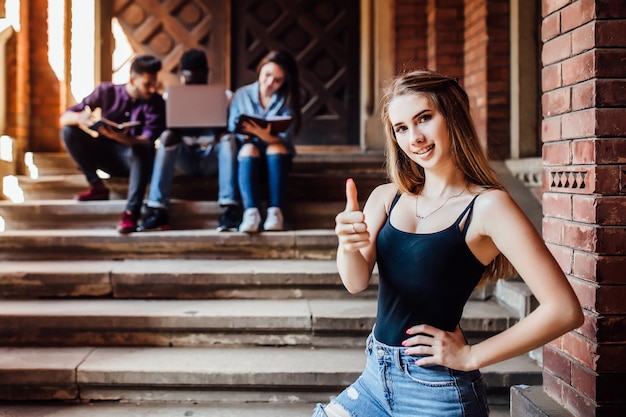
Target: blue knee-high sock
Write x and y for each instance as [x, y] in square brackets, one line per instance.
[278, 166]
[248, 178]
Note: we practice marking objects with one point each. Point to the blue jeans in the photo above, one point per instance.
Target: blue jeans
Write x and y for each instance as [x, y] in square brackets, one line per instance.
[220, 159]
[116, 159]
[274, 167]
[392, 385]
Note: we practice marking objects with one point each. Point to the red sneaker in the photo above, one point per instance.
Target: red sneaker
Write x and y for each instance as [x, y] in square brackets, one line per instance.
[94, 193]
[128, 223]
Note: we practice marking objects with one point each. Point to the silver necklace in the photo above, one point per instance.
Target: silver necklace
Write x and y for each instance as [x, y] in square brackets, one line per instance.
[420, 217]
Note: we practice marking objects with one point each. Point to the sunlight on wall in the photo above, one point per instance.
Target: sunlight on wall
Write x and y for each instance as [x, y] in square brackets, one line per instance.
[11, 189]
[12, 8]
[83, 47]
[122, 54]
[6, 148]
[56, 19]
[29, 161]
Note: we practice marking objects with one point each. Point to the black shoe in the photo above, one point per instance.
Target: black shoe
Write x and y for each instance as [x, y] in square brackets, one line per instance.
[230, 219]
[155, 219]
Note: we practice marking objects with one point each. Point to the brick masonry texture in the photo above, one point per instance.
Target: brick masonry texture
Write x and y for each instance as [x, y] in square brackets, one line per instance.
[583, 131]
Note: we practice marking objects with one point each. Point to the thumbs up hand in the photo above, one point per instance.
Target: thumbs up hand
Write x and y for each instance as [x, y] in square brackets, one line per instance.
[352, 202]
[350, 226]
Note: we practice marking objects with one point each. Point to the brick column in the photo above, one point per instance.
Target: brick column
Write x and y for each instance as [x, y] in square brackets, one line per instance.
[445, 36]
[45, 99]
[410, 35]
[584, 204]
[486, 72]
[21, 106]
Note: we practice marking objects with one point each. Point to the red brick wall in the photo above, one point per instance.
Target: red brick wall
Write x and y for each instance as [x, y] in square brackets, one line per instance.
[584, 155]
[486, 76]
[21, 105]
[45, 105]
[11, 93]
[34, 102]
[410, 30]
[446, 37]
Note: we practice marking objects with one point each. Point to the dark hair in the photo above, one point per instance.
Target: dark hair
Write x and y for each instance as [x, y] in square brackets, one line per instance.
[194, 59]
[291, 87]
[449, 98]
[194, 67]
[143, 64]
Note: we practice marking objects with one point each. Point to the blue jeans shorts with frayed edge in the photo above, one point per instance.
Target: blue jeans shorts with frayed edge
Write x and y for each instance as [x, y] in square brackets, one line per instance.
[392, 385]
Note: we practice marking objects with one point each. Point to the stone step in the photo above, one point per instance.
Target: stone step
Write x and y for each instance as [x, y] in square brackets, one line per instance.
[106, 409]
[306, 322]
[82, 244]
[314, 177]
[184, 214]
[143, 409]
[308, 159]
[176, 279]
[52, 163]
[183, 279]
[202, 375]
[302, 186]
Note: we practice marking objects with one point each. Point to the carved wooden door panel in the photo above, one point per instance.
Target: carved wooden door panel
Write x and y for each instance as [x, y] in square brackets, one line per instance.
[167, 28]
[324, 37]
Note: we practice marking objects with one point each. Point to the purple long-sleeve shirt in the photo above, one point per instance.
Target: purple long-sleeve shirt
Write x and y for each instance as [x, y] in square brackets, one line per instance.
[119, 107]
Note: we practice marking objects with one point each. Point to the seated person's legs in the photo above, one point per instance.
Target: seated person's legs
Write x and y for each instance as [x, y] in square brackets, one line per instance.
[142, 162]
[278, 167]
[228, 190]
[248, 176]
[91, 154]
[167, 154]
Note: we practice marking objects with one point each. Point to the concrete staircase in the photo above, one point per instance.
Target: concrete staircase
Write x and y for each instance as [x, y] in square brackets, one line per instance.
[191, 321]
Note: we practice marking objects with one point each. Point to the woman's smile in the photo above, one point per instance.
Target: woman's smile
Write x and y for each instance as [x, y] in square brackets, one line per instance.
[422, 151]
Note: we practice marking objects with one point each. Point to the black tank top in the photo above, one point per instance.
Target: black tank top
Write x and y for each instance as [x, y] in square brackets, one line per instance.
[423, 278]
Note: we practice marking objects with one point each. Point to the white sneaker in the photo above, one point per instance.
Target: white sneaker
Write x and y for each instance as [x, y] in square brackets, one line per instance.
[274, 219]
[251, 221]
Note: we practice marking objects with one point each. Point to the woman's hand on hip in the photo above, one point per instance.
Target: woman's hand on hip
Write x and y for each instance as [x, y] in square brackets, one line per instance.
[440, 347]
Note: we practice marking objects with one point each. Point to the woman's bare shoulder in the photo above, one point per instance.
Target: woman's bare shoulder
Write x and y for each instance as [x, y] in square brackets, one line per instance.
[383, 195]
[388, 189]
[491, 198]
[496, 208]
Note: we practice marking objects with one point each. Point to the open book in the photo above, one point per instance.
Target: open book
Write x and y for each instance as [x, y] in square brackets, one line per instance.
[114, 125]
[96, 120]
[279, 123]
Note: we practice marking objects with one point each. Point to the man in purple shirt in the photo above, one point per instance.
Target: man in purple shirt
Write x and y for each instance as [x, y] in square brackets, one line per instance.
[126, 152]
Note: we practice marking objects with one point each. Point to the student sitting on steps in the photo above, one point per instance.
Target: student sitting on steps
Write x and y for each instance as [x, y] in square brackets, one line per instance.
[265, 153]
[127, 152]
[193, 155]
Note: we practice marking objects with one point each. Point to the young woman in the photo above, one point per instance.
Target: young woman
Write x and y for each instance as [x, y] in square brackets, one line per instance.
[442, 226]
[275, 93]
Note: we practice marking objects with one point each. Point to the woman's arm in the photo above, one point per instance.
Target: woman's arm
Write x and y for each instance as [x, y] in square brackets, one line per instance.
[503, 227]
[357, 231]
[559, 310]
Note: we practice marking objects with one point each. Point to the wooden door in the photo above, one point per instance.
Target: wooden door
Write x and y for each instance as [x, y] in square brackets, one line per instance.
[167, 28]
[324, 37]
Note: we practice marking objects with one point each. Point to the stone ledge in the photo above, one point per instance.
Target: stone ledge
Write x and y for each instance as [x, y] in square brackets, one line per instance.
[532, 401]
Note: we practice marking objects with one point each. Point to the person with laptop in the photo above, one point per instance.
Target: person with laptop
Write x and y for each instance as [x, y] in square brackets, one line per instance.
[266, 152]
[121, 143]
[189, 147]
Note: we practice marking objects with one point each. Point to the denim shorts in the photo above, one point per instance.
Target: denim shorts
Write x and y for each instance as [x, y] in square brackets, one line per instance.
[392, 385]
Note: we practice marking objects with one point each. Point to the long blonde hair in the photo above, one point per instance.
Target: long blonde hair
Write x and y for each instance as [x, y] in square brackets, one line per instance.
[447, 96]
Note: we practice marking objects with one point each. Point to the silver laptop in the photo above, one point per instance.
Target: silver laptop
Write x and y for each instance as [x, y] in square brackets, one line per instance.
[196, 106]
